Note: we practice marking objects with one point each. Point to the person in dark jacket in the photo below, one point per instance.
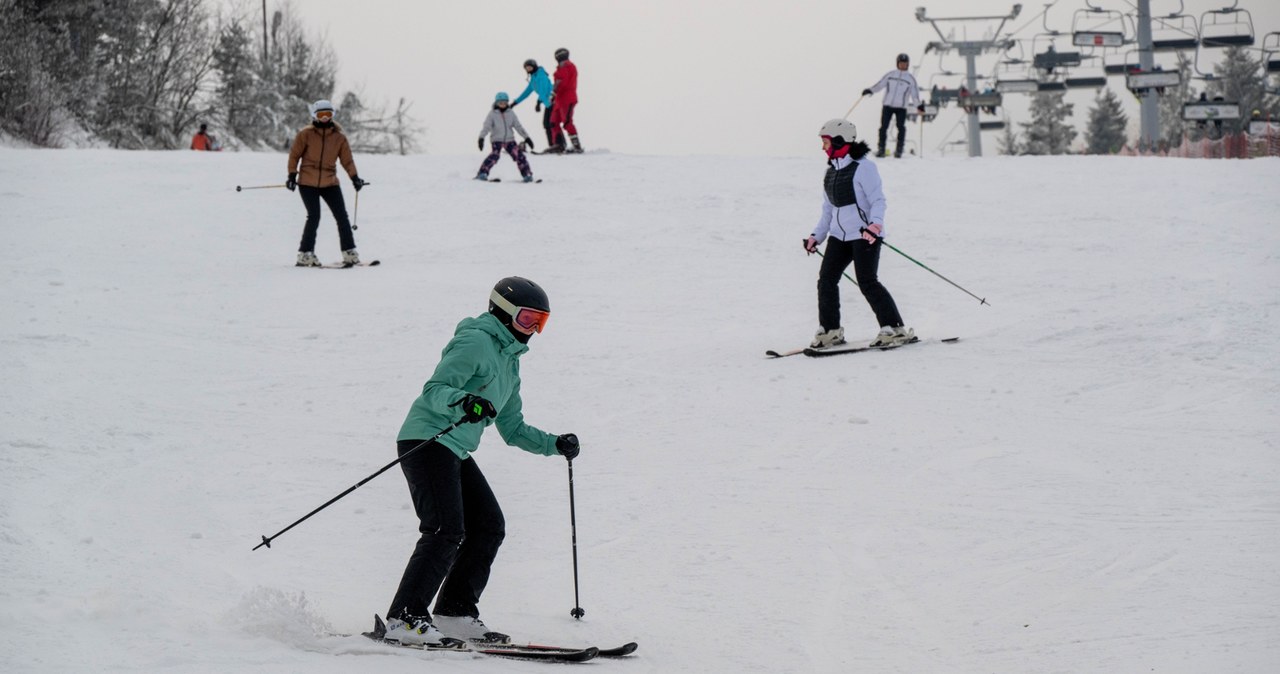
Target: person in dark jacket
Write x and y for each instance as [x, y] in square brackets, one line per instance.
[313, 160]
[477, 383]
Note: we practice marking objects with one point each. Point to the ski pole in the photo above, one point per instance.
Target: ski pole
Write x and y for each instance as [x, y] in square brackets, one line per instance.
[355, 212]
[844, 274]
[855, 104]
[258, 187]
[981, 300]
[577, 611]
[267, 541]
[922, 135]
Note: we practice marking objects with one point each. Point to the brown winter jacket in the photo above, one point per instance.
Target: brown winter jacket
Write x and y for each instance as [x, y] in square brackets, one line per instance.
[319, 150]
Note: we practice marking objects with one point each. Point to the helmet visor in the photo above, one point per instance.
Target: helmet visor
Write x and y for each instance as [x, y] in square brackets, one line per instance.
[324, 115]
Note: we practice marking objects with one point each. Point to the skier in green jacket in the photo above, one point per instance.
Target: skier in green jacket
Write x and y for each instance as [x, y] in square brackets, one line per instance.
[477, 381]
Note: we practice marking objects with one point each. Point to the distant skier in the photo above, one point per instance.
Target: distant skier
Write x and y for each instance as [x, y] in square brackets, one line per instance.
[313, 168]
[564, 101]
[501, 126]
[203, 141]
[853, 201]
[540, 84]
[901, 89]
[477, 380]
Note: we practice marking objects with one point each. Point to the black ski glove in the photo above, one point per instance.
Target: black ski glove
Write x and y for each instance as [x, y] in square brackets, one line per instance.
[292, 182]
[920, 108]
[537, 105]
[866, 92]
[568, 446]
[357, 183]
[528, 142]
[475, 409]
[480, 143]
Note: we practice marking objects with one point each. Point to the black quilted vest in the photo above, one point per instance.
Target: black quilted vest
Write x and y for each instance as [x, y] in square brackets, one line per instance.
[839, 185]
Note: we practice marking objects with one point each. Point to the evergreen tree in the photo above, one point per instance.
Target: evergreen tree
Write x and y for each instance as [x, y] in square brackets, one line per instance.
[1048, 132]
[1008, 142]
[1172, 126]
[1239, 79]
[1107, 122]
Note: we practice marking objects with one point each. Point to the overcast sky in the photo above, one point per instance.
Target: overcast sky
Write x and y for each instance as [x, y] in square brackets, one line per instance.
[676, 76]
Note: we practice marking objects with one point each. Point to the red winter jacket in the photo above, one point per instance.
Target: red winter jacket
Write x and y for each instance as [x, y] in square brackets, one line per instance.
[566, 89]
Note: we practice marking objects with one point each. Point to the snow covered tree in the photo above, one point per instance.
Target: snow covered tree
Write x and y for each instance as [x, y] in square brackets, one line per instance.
[1107, 121]
[1048, 132]
[1239, 78]
[1172, 126]
[1008, 142]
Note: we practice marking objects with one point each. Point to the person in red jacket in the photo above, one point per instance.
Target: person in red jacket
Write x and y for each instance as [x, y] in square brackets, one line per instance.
[203, 141]
[564, 99]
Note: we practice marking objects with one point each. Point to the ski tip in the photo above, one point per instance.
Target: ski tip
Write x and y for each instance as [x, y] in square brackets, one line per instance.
[625, 649]
[375, 263]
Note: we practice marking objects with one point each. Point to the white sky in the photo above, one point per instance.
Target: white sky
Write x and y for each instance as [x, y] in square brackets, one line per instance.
[676, 76]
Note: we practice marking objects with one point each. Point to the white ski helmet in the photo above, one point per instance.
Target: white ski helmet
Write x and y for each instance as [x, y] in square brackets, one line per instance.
[319, 105]
[840, 128]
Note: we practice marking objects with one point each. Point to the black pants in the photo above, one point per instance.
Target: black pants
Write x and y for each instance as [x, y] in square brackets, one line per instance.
[462, 528]
[866, 262]
[333, 198]
[887, 113]
[546, 125]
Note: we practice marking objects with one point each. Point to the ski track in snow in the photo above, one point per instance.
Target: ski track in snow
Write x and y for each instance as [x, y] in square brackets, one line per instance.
[1085, 483]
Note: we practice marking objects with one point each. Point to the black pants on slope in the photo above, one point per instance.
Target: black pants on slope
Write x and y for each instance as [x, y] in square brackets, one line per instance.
[866, 263]
[886, 114]
[462, 528]
[333, 199]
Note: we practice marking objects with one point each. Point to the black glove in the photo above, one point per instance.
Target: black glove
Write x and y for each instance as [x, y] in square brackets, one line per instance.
[866, 92]
[920, 108]
[537, 105]
[528, 142]
[292, 182]
[568, 446]
[357, 183]
[480, 144]
[475, 409]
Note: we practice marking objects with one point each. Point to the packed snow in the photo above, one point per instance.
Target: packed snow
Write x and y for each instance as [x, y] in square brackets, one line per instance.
[1085, 482]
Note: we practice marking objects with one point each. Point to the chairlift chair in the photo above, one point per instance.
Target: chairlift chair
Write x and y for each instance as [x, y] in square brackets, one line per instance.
[1023, 86]
[1139, 82]
[1098, 27]
[1175, 32]
[1125, 64]
[930, 113]
[1271, 53]
[994, 125]
[1226, 27]
[1210, 111]
[1051, 87]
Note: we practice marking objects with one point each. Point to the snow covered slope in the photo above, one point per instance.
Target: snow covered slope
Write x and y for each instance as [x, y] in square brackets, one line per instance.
[1087, 482]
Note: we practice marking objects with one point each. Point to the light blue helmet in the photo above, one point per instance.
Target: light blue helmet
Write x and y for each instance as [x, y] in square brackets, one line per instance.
[502, 97]
[319, 105]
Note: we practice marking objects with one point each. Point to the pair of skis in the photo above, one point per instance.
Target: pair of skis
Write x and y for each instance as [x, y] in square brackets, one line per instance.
[505, 649]
[343, 265]
[498, 180]
[850, 348]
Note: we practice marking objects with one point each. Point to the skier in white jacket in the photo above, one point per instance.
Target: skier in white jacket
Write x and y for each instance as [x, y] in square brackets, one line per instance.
[501, 126]
[852, 222]
[900, 90]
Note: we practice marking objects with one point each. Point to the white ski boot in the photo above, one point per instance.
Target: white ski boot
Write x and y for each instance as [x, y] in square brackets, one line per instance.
[826, 338]
[468, 629]
[409, 630]
[894, 336]
[350, 258]
[308, 259]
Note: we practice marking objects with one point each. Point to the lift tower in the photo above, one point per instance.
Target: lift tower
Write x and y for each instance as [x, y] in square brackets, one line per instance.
[971, 50]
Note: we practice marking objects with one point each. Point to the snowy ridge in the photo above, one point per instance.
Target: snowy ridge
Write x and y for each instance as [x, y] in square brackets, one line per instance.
[1086, 484]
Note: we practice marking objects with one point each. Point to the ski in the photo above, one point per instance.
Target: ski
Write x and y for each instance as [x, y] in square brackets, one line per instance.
[615, 652]
[850, 348]
[499, 650]
[783, 354]
[340, 265]
[498, 180]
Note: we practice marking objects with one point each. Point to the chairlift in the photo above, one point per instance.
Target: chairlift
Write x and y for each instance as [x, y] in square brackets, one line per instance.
[1210, 111]
[1052, 87]
[1175, 32]
[1097, 82]
[1229, 27]
[986, 101]
[1271, 53]
[1127, 63]
[1017, 86]
[1098, 27]
[930, 113]
[1050, 59]
[995, 125]
[1140, 82]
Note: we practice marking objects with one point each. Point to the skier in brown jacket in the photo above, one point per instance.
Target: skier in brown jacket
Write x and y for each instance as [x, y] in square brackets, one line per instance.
[319, 147]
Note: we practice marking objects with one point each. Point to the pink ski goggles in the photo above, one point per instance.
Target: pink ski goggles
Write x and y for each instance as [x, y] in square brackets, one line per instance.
[525, 319]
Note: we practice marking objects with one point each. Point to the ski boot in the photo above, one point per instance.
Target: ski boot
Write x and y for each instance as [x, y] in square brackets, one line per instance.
[409, 630]
[826, 338]
[470, 629]
[350, 258]
[308, 259]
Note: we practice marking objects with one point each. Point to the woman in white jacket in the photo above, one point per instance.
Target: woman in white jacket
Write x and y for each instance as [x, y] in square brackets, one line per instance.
[852, 222]
[501, 126]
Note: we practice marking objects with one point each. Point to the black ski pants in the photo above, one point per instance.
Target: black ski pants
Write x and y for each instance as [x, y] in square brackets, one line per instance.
[462, 528]
[546, 125]
[866, 262]
[332, 196]
[887, 113]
